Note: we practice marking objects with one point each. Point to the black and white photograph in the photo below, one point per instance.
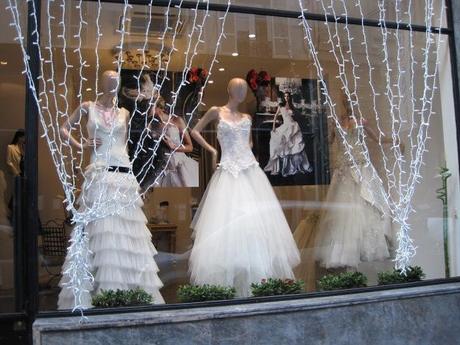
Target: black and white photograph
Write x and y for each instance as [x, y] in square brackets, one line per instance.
[172, 164]
[290, 132]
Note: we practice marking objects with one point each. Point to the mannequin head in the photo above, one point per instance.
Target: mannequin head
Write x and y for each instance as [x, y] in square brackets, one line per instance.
[110, 83]
[237, 90]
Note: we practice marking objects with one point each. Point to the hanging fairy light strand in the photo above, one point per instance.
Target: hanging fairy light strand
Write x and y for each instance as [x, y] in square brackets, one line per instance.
[398, 194]
[53, 111]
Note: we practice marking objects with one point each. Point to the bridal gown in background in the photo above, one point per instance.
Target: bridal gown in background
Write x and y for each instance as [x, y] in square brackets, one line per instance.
[122, 251]
[354, 226]
[181, 171]
[241, 233]
[287, 148]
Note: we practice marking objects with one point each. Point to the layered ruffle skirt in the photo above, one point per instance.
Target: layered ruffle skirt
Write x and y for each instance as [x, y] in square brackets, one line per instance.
[122, 253]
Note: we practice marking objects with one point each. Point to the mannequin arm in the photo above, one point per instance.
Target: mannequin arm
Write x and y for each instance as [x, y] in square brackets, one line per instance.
[75, 118]
[373, 135]
[210, 116]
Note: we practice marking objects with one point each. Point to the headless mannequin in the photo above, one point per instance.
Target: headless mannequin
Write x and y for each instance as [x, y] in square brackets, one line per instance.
[109, 86]
[237, 89]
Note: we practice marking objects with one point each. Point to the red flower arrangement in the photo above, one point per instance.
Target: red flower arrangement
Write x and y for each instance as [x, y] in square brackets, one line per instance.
[251, 78]
[255, 80]
[197, 75]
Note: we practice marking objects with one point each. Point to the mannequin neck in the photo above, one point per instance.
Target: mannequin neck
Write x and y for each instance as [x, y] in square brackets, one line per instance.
[232, 105]
[106, 100]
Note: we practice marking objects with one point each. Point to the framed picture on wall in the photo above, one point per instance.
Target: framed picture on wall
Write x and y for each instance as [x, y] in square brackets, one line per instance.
[290, 132]
[154, 160]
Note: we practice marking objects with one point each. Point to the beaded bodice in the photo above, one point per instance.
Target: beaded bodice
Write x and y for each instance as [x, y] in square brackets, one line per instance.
[234, 142]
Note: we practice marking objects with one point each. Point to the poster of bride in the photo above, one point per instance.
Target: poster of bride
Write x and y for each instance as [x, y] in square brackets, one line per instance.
[175, 162]
[290, 131]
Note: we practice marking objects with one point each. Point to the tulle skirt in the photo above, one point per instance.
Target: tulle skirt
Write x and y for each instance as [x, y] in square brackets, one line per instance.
[354, 227]
[287, 151]
[182, 171]
[241, 233]
[122, 253]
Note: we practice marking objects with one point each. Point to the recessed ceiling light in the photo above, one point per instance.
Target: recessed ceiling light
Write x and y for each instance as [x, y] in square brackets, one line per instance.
[252, 35]
[4, 62]
[89, 89]
[235, 54]
[221, 69]
[211, 81]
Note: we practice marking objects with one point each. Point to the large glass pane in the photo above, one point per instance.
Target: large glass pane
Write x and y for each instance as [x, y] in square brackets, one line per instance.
[367, 9]
[321, 208]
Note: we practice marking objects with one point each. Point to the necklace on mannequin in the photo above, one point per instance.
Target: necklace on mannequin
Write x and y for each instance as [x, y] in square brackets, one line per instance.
[107, 112]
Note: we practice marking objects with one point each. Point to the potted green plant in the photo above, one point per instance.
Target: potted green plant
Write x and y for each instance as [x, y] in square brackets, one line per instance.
[412, 274]
[121, 298]
[346, 280]
[273, 287]
[200, 293]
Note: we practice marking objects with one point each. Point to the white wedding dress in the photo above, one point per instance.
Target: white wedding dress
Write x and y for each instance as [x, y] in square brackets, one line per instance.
[181, 171]
[287, 148]
[120, 242]
[355, 226]
[241, 233]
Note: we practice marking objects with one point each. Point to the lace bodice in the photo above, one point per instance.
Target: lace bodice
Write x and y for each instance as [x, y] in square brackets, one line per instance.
[234, 142]
[342, 159]
[112, 151]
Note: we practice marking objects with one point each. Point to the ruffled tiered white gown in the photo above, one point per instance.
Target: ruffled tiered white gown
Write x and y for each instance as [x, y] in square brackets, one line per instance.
[181, 171]
[287, 148]
[241, 233]
[119, 240]
[355, 226]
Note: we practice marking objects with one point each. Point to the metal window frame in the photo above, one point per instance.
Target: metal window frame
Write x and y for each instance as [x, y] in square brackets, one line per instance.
[30, 211]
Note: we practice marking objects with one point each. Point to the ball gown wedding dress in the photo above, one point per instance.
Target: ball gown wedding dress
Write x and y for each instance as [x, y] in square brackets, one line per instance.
[241, 233]
[287, 148]
[354, 226]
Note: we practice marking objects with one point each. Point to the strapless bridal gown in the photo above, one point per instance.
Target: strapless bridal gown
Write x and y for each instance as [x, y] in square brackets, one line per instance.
[241, 233]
